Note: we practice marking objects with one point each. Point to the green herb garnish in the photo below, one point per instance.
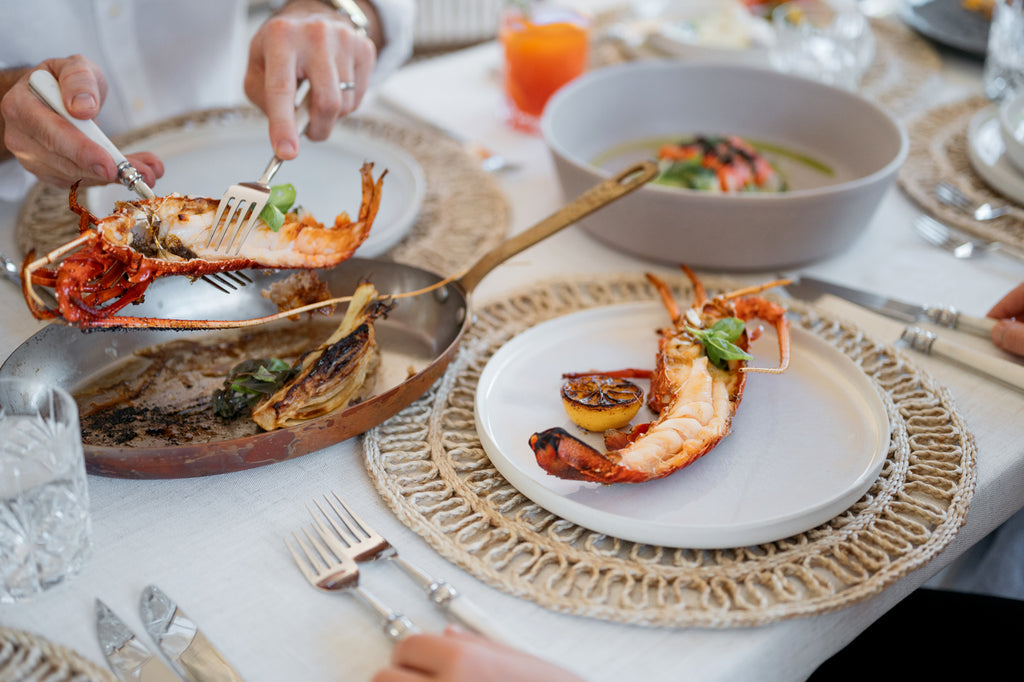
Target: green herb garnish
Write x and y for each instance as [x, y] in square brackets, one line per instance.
[247, 382]
[281, 199]
[720, 341]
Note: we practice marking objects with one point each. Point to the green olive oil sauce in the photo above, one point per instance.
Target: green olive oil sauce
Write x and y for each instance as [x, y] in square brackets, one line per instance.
[797, 169]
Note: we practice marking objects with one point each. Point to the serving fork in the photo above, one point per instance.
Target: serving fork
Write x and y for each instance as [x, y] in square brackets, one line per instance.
[347, 534]
[951, 195]
[332, 571]
[959, 244]
[242, 203]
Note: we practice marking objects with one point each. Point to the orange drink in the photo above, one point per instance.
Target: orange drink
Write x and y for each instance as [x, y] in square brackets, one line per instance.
[545, 48]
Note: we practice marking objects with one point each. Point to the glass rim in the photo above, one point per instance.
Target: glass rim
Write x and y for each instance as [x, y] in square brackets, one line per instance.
[32, 390]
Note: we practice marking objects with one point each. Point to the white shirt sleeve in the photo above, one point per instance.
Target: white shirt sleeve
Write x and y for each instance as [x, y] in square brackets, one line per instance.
[145, 85]
[397, 19]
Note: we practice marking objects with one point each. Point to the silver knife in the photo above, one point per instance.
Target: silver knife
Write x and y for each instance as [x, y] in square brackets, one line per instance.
[130, 659]
[181, 641]
[810, 289]
[1002, 371]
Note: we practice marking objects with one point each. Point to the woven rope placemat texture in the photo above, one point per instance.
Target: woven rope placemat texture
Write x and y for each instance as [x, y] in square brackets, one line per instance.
[904, 62]
[464, 213]
[429, 466]
[25, 657]
[938, 153]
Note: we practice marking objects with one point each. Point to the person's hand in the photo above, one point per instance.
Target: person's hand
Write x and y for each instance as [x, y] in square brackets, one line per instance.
[1008, 333]
[307, 40]
[458, 656]
[51, 148]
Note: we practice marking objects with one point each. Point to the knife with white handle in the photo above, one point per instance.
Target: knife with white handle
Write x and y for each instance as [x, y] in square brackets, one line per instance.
[1002, 371]
[188, 649]
[46, 87]
[130, 659]
[810, 289]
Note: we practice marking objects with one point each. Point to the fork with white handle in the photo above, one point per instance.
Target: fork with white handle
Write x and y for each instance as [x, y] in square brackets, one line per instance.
[951, 195]
[959, 244]
[350, 535]
[333, 571]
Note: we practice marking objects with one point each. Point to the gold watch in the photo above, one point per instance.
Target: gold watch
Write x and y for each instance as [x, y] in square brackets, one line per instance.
[354, 13]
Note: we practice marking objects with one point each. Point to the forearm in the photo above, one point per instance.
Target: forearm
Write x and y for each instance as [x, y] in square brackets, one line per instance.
[8, 77]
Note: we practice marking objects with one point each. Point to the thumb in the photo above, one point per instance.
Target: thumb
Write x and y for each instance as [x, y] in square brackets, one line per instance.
[1009, 335]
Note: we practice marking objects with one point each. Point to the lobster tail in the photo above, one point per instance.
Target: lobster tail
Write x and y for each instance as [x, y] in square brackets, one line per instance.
[563, 455]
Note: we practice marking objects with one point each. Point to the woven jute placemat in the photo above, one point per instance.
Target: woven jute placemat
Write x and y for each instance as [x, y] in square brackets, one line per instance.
[464, 212]
[903, 64]
[25, 657]
[429, 466]
[938, 153]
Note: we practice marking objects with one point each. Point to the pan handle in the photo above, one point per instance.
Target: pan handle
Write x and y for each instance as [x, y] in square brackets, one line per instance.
[594, 198]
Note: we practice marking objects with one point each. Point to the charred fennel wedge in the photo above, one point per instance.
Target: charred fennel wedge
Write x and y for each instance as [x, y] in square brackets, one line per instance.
[331, 375]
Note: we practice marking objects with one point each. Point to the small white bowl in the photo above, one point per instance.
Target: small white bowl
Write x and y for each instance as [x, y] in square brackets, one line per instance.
[1011, 127]
[622, 106]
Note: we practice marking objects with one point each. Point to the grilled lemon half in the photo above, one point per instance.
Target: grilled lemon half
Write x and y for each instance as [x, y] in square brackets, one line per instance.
[599, 402]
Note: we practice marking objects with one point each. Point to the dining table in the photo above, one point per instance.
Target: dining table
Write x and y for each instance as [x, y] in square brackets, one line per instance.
[216, 543]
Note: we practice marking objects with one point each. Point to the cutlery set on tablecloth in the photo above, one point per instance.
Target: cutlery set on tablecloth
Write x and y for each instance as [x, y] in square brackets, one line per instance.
[328, 557]
[192, 656]
[921, 340]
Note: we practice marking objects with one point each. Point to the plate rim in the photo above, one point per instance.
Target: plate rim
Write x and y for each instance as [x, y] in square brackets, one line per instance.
[703, 536]
[1007, 181]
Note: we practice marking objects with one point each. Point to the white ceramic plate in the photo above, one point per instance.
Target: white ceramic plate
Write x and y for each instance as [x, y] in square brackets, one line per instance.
[805, 444]
[987, 152]
[206, 159]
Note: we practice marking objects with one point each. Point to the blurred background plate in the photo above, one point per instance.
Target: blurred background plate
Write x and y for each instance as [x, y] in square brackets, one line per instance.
[947, 22]
[805, 444]
[986, 150]
[205, 159]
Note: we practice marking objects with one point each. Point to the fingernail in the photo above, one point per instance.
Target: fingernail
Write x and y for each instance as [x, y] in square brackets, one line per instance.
[83, 101]
[286, 149]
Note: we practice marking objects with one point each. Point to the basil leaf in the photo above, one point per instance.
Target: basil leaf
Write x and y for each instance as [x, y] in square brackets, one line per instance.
[272, 216]
[281, 199]
[718, 348]
[247, 382]
[282, 196]
[729, 327]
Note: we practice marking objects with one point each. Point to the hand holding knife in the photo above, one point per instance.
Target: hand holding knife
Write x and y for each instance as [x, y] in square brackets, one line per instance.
[1002, 371]
[811, 289]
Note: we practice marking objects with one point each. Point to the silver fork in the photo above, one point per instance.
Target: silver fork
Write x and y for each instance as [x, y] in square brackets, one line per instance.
[355, 538]
[951, 195]
[333, 571]
[959, 244]
[242, 203]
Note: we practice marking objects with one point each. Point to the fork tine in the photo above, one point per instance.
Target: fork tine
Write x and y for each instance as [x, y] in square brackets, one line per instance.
[346, 534]
[359, 523]
[254, 215]
[238, 218]
[304, 564]
[222, 205]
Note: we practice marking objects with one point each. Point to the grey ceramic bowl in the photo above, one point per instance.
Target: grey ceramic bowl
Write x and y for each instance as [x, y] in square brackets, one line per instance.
[610, 117]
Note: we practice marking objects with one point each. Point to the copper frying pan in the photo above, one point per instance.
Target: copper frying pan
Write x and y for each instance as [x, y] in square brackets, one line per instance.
[422, 332]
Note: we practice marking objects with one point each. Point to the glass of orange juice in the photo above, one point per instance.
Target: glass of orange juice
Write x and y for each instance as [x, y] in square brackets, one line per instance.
[545, 46]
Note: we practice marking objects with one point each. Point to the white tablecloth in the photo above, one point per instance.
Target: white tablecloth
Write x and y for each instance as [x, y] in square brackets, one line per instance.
[216, 544]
